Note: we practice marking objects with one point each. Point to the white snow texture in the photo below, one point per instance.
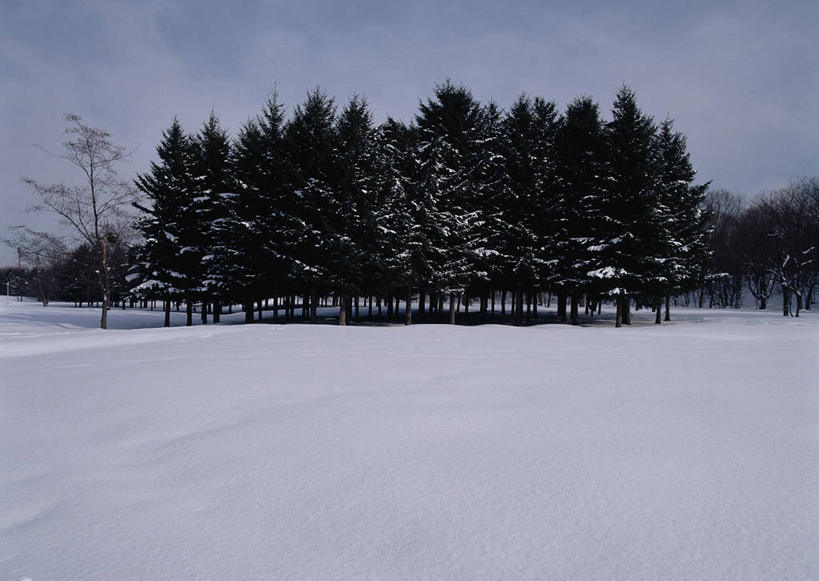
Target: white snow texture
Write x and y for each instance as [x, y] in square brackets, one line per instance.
[686, 451]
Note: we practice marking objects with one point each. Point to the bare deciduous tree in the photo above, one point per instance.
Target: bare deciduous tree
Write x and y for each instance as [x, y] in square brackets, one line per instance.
[42, 252]
[95, 210]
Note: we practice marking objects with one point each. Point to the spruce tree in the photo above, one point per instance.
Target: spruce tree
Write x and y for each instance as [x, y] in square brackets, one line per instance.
[452, 156]
[684, 220]
[582, 173]
[632, 230]
[529, 210]
[214, 205]
[165, 264]
[313, 168]
[249, 235]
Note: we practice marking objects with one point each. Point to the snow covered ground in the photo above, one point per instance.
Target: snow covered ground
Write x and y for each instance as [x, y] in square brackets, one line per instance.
[687, 451]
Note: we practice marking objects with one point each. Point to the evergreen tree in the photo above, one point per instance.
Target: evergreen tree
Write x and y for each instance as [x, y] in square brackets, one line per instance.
[215, 206]
[404, 223]
[452, 158]
[684, 220]
[249, 235]
[166, 265]
[279, 220]
[583, 182]
[529, 210]
[312, 147]
[632, 230]
[351, 217]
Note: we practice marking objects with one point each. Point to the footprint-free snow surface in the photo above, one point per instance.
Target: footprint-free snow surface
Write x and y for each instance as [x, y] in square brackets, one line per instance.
[686, 451]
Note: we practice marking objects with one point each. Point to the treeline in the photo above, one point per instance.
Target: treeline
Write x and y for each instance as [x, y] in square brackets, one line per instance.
[53, 272]
[465, 201]
[768, 247]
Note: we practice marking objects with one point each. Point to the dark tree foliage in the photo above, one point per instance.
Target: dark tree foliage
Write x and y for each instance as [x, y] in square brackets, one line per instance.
[466, 202]
[582, 229]
[162, 265]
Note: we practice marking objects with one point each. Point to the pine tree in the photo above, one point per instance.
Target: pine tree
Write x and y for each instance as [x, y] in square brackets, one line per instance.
[632, 219]
[214, 205]
[249, 235]
[529, 209]
[404, 225]
[583, 182]
[683, 217]
[280, 222]
[352, 215]
[312, 147]
[164, 264]
[452, 157]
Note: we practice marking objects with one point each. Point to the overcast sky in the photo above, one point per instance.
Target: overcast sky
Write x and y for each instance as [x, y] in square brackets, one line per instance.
[741, 79]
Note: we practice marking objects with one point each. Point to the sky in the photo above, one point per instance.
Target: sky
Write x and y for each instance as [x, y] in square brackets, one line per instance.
[740, 79]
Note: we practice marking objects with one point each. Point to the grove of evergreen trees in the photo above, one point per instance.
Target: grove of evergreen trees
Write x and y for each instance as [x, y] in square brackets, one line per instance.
[464, 203]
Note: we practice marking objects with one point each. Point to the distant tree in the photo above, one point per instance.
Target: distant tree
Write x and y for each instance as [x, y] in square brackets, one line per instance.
[215, 208]
[529, 211]
[683, 230]
[403, 219]
[791, 217]
[722, 271]
[312, 147]
[350, 219]
[580, 242]
[263, 221]
[43, 253]
[160, 266]
[453, 160]
[94, 210]
[632, 238]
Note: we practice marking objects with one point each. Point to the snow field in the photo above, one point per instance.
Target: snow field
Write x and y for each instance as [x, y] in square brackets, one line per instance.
[686, 451]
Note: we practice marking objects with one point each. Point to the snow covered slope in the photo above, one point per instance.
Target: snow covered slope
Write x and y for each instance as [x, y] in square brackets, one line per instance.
[687, 451]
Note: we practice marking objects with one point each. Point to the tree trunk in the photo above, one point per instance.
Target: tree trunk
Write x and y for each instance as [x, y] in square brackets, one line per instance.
[658, 316]
[422, 298]
[248, 310]
[451, 308]
[668, 308]
[626, 310]
[342, 310]
[574, 315]
[188, 312]
[167, 306]
[503, 302]
[217, 311]
[314, 305]
[528, 307]
[561, 306]
[408, 318]
[106, 284]
[204, 312]
[786, 300]
[618, 321]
